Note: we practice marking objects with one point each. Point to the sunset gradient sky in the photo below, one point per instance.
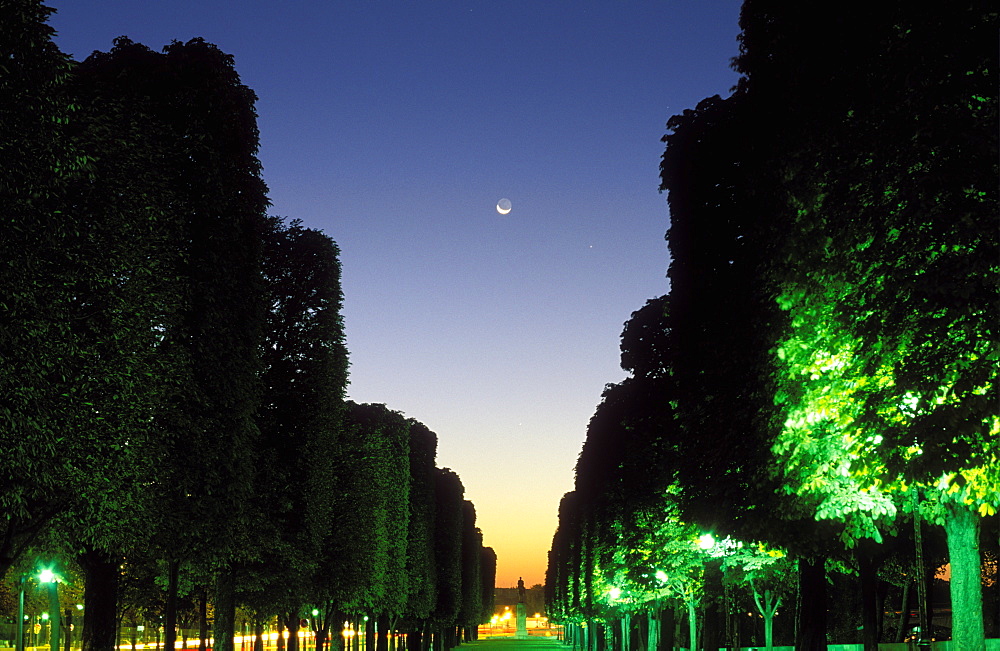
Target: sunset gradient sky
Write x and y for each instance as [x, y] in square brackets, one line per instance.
[395, 127]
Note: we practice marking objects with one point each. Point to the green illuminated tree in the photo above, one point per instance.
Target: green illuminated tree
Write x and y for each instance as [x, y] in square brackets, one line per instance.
[673, 561]
[892, 287]
[366, 545]
[769, 573]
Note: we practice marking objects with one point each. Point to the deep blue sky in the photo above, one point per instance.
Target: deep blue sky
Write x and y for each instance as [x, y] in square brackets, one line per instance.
[395, 127]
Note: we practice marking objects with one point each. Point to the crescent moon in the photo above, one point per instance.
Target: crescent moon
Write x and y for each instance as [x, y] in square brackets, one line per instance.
[503, 206]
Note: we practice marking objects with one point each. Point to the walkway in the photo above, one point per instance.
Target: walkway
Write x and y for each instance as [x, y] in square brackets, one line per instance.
[531, 643]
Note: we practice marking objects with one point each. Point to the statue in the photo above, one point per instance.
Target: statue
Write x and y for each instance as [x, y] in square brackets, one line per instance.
[522, 615]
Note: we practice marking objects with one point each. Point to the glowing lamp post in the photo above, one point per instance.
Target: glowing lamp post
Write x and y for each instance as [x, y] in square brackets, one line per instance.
[52, 581]
[19, 641]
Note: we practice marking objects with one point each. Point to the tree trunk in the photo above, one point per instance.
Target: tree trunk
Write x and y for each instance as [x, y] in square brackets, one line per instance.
[767, 605]
[224, 628]
[382, 632]
[258, 636]
[713, 618]
[961, 528]
[420, 641]
[692, 626]
[423, 637]
[170, 614]
[68, 629]
[100, 593]
[731, 638]
[668, 628]
[655, 639]
[904, 613]
[203, 621]
[292, 624]
[335, 641]
[371, 628]
[881, 595]
[867, 571]
[923, 609]
[811, 635]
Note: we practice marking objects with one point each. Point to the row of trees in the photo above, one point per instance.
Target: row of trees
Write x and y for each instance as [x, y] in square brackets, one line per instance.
[174, 369]
[820, 385]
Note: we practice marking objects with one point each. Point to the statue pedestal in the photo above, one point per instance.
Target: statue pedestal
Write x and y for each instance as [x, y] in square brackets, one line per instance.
[522, 623]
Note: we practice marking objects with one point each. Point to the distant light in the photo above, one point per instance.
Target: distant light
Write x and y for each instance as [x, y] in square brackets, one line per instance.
[46, 576]
[661, 575]
[614, 593]
[706, 541]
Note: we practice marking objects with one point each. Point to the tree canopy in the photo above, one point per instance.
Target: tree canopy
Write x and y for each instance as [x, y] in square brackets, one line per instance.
[175, 367]
[825, 364]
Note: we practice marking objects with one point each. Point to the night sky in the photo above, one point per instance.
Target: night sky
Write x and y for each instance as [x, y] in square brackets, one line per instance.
[395, 127]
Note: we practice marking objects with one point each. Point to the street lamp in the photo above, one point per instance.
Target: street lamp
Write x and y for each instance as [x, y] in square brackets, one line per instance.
[52, 581]
[19, 640]
[315, 626]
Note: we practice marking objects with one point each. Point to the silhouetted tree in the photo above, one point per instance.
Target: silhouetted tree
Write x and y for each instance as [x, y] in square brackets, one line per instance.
[42, 243]
[487, 583]
[448, 523]
[421, 568]
[212, 344]
[472, 589]
[305, 374]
